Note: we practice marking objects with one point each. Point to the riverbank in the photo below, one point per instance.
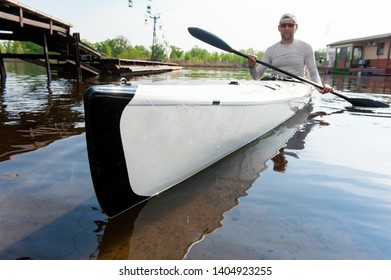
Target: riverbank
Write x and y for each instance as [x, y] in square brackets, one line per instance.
[186, 63]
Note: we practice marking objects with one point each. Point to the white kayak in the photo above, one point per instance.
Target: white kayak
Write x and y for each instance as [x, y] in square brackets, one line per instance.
[145, 139]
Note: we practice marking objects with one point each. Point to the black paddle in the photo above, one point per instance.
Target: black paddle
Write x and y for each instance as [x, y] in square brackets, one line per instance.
[215, 41]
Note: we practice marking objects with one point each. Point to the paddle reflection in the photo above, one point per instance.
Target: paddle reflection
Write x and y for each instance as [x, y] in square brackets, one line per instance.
[166, 226]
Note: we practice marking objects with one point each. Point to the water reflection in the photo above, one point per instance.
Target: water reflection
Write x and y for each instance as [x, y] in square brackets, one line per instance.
[34, 115]
[361, 83]
[167, 226]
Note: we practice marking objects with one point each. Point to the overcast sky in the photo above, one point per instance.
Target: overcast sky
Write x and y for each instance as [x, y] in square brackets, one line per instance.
[242, 24]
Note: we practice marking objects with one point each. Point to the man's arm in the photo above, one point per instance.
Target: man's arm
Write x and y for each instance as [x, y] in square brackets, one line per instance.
[309, 61]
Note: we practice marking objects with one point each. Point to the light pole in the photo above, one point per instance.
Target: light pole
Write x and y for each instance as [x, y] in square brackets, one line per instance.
[155, 19]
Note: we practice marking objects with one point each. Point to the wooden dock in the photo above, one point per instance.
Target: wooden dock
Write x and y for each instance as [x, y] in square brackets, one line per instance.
[63, 51]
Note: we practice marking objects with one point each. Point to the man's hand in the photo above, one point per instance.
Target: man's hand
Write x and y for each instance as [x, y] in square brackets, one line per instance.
[326, 89]
[252, 61]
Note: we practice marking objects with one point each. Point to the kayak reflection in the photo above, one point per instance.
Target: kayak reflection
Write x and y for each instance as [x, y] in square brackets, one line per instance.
[167, 225]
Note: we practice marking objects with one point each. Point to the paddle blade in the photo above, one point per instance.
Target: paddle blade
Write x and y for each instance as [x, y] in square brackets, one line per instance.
[209, 38]
[363, 102]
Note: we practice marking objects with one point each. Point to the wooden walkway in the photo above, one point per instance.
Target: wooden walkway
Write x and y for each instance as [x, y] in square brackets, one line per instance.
[72, 57]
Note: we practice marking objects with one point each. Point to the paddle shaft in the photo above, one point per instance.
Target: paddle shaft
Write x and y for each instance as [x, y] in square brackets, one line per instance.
[280, 70]
[293, 75]
[290, 74]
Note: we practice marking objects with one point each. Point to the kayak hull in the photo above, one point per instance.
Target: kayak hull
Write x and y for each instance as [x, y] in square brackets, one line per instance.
[145, 139]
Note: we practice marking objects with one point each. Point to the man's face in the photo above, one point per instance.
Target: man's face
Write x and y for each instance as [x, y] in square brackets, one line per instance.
[287, 29]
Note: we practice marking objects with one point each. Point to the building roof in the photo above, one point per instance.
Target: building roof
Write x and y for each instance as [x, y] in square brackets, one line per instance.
[362, 39]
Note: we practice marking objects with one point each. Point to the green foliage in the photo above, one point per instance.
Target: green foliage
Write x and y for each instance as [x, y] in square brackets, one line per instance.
[176, 53]
[113, 47]
[139, 52]
[199, 55]
[158, 53]
[320, 57]
[20, 47]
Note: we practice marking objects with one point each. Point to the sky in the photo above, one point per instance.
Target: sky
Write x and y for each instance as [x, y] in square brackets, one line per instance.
[242, 24]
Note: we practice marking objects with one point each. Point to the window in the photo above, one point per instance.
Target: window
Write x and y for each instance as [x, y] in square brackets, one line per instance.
[380, 48]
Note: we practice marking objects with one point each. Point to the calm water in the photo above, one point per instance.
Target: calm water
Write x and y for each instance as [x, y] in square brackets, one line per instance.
[318, 187]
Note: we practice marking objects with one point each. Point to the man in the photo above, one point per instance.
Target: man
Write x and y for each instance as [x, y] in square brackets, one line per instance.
[289, 54]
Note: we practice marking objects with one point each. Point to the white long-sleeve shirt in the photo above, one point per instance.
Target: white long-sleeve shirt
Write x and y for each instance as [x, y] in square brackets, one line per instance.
[291, 58]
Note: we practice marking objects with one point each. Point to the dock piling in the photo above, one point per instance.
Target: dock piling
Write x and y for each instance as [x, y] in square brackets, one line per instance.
[3, 73]
[76, 36]
[47, 61]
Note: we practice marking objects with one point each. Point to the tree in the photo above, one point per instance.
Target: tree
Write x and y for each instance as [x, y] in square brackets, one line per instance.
[320, 56]
[118, 45]
[138, 52]
[176, 53]
[197, 54]
[158, 52]
[20, 47]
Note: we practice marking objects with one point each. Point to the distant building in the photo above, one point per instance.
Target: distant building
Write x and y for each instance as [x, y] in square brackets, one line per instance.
[367, 54]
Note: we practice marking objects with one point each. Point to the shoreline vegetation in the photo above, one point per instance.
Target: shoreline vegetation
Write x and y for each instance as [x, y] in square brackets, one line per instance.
[120, 47]
[207, 64]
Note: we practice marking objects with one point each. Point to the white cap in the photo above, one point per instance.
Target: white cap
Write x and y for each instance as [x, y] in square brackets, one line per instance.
[288, 17]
